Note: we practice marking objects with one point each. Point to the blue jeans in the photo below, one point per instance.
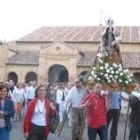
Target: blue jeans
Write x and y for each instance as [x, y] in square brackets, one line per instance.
[4, 134]
[102, 131]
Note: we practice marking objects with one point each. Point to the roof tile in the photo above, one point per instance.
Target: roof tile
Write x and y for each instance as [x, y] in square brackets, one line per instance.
[80, 34]
[130, 59]
[25, 58]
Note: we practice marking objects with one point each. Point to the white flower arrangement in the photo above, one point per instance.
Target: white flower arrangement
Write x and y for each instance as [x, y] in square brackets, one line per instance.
[108, 71]
[101, 67]
[111, 72]
[120, 81]
[114, 65]
[117, 72]
[101, 61]
[121, 74]
[126, 71]
[106, 65]
[99, 55]
[116, 76]
[102, 73]
[92, 73]
[90, 78]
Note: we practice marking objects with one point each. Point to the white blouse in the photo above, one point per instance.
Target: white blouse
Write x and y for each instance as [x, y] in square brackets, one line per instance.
[18, 95]
[39, 116]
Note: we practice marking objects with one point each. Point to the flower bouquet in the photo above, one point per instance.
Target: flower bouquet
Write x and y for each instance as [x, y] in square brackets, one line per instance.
[109, 73]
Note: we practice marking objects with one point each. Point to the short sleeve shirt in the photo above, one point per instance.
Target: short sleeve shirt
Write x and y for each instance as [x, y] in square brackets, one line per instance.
[76, 95]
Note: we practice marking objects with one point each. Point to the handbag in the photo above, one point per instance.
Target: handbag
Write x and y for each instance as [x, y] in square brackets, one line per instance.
[54, 122]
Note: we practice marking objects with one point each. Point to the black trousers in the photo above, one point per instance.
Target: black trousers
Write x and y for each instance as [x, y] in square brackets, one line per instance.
[113, 115]
[37, 132]
[134, 132]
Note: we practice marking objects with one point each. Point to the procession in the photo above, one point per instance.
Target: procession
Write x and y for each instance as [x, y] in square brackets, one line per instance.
[92, 101]
[69, 70]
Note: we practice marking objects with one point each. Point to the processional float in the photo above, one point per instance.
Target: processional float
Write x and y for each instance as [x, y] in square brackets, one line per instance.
[108, 69]
[108, 66]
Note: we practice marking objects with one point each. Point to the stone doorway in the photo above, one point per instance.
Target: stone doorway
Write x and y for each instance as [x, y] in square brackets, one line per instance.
[58, 73]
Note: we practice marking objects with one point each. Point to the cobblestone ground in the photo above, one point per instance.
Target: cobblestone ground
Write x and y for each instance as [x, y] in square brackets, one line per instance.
[16, 133]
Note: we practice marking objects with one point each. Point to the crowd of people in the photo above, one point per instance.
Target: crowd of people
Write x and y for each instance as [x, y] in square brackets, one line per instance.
[97, 107]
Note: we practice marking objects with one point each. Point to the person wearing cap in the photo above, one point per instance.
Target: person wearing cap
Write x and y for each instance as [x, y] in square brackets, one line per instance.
[75, 96]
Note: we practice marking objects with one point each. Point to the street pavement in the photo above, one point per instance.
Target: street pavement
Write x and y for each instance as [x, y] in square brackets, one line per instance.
[17, 134]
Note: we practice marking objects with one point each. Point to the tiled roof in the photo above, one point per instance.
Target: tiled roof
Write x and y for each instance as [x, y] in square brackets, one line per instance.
[79, 34]
[25, 58]
[130, 59]
[87, 59]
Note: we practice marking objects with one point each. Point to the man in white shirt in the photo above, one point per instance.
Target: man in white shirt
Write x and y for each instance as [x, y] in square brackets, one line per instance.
[75, 96]
[31, 91]
[61, 100]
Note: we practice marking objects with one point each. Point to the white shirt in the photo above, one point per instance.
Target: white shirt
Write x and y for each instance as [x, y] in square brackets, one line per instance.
[18, 95]
[76, 96]
[12, 92]
[136, 94]
[39, 116]
[59, 95]
[30, 92]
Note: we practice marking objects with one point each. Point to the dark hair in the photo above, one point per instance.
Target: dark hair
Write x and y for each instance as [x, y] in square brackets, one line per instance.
[107, 29]
[4, 86]
[37, 89]
[105, 36]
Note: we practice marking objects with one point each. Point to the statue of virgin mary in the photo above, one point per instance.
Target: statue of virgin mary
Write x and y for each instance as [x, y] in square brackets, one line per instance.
[110, 47]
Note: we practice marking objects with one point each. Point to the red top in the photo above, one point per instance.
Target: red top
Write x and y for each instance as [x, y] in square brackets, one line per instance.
[96, 110]
[29, 114]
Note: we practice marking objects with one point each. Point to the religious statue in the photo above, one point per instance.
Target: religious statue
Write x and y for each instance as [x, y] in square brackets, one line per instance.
[109, 45]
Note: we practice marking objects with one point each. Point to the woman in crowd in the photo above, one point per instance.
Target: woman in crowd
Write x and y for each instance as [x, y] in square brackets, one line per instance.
[36, 121]
[18, 98]
[6, 112]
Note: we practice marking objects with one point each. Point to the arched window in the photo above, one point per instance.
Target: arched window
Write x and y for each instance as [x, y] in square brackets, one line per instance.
[83, 73]
[13, 76]
[30, 76]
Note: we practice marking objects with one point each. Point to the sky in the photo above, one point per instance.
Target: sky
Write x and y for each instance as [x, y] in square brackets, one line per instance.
[20, 17]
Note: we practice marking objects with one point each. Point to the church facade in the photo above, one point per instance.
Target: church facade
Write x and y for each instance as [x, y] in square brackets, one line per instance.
[60, 54]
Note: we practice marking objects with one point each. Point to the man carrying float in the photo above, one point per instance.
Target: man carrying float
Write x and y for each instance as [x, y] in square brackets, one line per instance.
[109, 71]
[108, 79]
